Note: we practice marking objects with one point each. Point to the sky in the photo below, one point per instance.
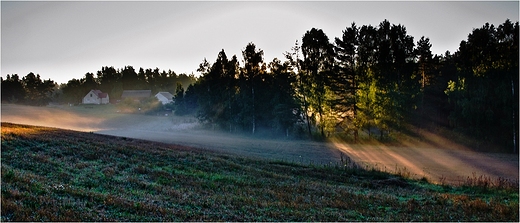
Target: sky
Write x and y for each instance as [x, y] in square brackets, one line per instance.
[64, 40]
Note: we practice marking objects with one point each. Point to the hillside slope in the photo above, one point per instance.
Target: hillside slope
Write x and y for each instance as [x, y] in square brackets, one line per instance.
[50, 174]
[423, 153]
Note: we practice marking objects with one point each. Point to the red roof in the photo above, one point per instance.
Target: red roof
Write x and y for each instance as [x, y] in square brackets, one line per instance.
[100, 94]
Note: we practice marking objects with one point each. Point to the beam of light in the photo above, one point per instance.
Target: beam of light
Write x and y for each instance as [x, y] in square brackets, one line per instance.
[438, 159]
[49, 117]
[441, 162]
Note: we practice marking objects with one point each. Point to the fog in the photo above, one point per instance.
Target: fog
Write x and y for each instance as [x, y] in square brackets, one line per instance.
[438, 159]
[169, 129]
[439, 165]
[51, 117]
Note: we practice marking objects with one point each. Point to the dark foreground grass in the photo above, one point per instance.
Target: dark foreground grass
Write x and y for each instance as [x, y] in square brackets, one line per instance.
[59, 175]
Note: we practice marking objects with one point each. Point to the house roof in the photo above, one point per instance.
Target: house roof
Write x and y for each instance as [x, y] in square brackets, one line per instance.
[165, 94]
[103, 95]
[99, 93]
[136, 93]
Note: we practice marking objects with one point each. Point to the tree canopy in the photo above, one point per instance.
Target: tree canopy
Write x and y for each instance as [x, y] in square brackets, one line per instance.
[372, 80]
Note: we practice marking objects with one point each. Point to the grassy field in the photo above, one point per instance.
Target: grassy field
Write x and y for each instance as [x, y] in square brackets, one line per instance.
[59, 175]
[433, 156]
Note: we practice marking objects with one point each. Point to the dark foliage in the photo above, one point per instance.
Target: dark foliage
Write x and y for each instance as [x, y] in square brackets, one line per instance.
[372, 79]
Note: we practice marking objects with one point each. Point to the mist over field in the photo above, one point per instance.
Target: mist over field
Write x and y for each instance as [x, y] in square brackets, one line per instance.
[407, 111]
[439, 160]
[173, 129]
[373, 124]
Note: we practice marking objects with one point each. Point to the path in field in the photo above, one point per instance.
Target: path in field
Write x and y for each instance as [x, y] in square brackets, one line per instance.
[439, 159]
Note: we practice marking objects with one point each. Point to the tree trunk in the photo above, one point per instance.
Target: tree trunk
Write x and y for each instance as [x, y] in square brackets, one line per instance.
[354, 107]
[306, 107]
[308, 121]
[514, 118]
[254, 121]
[322, 123]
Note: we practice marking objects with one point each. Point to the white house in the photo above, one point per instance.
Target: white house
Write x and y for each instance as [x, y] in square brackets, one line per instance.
[96, 97]
[164, 97]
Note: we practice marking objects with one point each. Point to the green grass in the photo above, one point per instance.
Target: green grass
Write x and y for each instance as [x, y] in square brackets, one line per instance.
[58, 175]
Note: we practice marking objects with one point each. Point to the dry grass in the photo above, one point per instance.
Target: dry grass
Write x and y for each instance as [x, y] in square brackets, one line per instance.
[57, 175]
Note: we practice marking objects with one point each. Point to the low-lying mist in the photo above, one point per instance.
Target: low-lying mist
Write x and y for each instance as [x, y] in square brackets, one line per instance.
[51, 117]
[440, 161]
[164, 127]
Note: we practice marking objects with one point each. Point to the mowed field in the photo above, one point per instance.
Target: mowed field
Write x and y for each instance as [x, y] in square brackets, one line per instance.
[51, 174]
[435, 158]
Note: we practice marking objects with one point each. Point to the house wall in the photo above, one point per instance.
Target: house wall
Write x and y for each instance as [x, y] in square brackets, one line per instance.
[105, 100]
[91, 98]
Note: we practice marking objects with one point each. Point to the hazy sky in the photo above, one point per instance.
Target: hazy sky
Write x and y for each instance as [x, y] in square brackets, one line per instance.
[65, 40]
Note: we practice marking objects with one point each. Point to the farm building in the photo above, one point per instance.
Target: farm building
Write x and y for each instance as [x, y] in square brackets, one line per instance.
[136, 94]
[164, 97]
[96, 97]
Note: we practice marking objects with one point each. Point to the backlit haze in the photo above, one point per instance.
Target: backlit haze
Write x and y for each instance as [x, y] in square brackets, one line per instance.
[65, 40]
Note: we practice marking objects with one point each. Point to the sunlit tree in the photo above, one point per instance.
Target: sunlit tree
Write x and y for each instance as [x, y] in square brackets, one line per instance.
[345, 80]
[317, 67]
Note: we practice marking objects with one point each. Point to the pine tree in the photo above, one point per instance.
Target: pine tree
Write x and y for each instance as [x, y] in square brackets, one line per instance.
[318, 60]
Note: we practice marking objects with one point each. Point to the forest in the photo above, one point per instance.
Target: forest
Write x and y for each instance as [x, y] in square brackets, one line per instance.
[374, 80]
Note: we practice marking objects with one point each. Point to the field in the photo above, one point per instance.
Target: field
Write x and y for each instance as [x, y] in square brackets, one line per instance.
[51, 174]
[433, 157]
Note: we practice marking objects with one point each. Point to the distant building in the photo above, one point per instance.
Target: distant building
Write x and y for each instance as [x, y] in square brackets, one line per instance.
[136, 94]
[164, 97]
[96, 97]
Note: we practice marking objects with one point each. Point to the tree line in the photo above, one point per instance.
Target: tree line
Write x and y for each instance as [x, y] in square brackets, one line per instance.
[31, 89]
[108, 79]
[372, 80]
